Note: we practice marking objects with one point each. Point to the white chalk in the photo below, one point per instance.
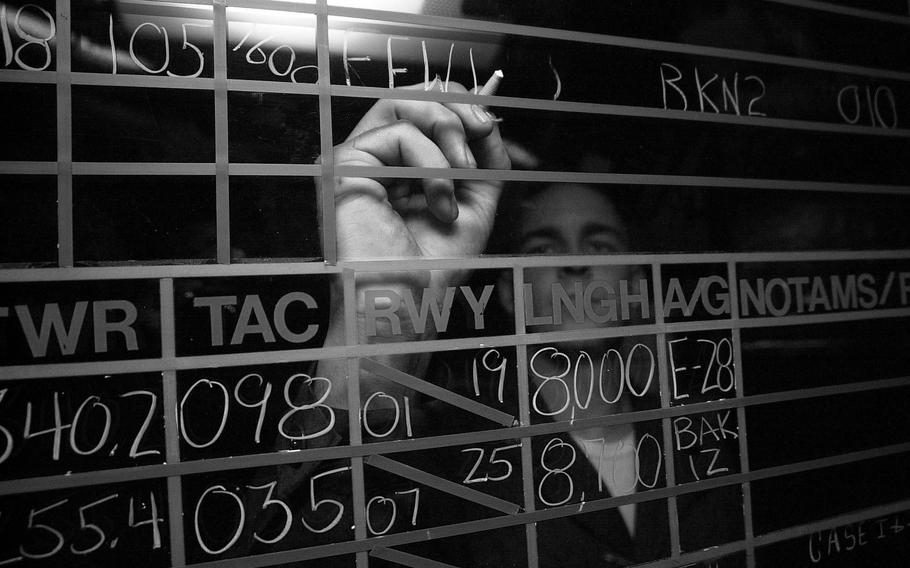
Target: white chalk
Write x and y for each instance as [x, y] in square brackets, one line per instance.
[492, 84]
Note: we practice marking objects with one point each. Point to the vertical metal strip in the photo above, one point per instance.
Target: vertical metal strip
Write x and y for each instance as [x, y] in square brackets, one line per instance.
[171, 438]
[65, 255]
[663, 376]
[358, 490]
[741, 415]
[222, 180]
[524, 412]
[326, 185]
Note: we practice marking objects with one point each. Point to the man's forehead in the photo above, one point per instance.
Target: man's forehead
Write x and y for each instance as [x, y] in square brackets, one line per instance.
[569, 206]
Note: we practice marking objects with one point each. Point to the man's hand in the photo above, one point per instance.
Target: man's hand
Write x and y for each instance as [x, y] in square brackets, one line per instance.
[411, 218]
[437, 218]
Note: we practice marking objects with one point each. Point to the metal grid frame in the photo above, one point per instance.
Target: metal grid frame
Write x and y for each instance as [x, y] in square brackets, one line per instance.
[325, 172]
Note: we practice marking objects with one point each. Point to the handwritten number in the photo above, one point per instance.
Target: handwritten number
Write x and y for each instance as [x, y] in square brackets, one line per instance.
[187, 44]
[58, 536]
[304, 407]
[167, 48]
[315, 505]
[556, 471]
[219, 490]
[57, 430]
[554, 354]
[261, 404]
[224, 414]
[34, 40]
[469, 479]
[501, 368]
[154, 520]
[91, 527]
[255, 55]
[102, 439]
[134, 448]
[279, 503]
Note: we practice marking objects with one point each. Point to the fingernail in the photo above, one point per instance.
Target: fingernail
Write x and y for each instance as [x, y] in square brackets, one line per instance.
[480, 113]
[469, 157]
[453, 208]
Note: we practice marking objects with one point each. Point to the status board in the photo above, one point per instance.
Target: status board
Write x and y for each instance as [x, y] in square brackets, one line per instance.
[451, 284]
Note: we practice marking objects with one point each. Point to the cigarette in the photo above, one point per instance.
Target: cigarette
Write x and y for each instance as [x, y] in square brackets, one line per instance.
[492, 84]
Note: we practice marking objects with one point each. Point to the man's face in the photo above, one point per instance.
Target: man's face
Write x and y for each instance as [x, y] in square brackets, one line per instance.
[567, 219]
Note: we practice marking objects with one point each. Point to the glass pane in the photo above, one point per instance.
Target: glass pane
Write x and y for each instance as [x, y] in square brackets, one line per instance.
[126, 124]
[31, 124]
[273, 128]
[28, 219]
[133, 218]
[274, 217]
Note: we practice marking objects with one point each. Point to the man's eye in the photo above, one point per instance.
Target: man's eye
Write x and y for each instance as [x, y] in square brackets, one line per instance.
[538, 248]
[601, 247]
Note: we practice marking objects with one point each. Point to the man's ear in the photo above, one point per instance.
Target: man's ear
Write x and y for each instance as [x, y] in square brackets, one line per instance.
[506, 292]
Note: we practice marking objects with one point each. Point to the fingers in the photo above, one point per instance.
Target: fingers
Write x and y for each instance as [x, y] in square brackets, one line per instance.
[425, 134]
[400, 143]
[452, 126]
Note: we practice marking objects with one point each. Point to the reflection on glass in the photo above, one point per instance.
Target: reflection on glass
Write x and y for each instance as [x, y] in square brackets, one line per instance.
[166, 39]
[271, 45]
[273, 128]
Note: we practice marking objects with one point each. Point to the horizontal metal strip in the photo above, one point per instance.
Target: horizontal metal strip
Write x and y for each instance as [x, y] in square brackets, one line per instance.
[302, 6]
[167, 8]
[468, 263]
[164, 271]
[28, 168]
[499, 28]
[169, 3]
[312, 170]
[146, 81]
[287, 87]
[617, 110]
[21, 76]
[406, 559]
[846, 11]
[142, 169]
[617, 179]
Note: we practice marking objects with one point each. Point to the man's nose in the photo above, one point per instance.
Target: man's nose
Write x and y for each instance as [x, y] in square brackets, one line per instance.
[576, 271]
